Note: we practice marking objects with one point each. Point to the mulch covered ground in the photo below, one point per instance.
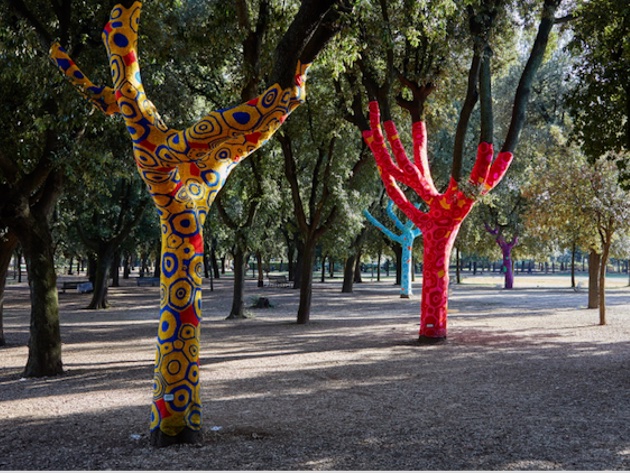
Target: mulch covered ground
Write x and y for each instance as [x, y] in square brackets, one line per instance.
[527, 380]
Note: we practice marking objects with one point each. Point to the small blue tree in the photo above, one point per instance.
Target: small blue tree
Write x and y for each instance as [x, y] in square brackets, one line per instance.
[409, 232]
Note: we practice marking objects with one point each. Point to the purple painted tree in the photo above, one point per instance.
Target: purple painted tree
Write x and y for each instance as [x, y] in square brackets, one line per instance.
[506, 249]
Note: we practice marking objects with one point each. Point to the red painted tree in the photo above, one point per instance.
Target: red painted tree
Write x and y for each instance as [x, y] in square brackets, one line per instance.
[446, 211]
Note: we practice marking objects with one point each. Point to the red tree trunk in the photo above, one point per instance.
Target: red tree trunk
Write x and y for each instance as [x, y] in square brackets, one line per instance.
[438, 245]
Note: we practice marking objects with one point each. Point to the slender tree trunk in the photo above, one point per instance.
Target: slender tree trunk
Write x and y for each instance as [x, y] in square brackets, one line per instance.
[306, 284]
[348, 274]
[378, 266]
[103, 265]
[323, 276]
[593, 282]
[238, 304]
[297, 272]
[261, 274]
[458, 274]
[18, 264]
[126, 266]
[7, 246]
[213, 259]
[158, 258]
[114, 271]
[398, 253]
[573, 250]
[602, 279]
[406, 266]
[507, 264]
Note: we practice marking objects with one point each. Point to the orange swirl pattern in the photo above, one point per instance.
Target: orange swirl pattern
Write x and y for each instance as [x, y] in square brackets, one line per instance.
[447, 211]
[183, 171]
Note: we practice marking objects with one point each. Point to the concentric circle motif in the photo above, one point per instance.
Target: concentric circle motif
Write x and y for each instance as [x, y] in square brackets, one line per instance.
[169, 325]
[182, 395]
[193, 419]
[170, 264]
[181, 294]
[187, 332]
[270, 97]
[184, 224]
[159, 385]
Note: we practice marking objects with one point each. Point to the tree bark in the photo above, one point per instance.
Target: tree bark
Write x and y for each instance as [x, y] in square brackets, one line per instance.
[398, 252]
[7, 246]
[114, 270]
[306, 282]
[573, 250]
[602, 277]
[44, 357]
[261, 274]
[458, 273]
[103, 265]
[348, 274]
[593, 279]
[238, 304]
[357, 269]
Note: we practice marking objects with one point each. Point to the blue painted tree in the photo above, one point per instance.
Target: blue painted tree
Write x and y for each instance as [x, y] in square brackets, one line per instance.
[408, 234]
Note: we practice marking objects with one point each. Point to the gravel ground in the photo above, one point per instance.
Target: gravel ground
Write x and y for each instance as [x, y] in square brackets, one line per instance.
[526, 381]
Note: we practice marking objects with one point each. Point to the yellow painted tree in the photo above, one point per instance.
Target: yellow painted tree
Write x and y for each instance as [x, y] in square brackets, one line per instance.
[183, 171]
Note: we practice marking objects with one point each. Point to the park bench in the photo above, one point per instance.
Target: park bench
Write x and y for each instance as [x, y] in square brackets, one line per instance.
[278, 281]
[82, 287]
[148, 281]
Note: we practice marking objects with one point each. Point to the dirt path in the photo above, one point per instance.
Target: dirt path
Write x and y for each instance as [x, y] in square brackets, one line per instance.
[527, 380]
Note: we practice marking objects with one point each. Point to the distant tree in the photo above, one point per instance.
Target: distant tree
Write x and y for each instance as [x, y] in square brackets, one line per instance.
[408, 233]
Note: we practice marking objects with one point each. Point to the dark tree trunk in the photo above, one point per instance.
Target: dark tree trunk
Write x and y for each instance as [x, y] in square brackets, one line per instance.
[238, 305]
[126, 266]
[114, 271]
[458, 274]
[103, 265]
[91, 268]
[213, 259]
[399, 258]
[306, 283]
[297, 273]
[290, 261]
[7, 246]
[573, 250]
[348, 274]
[357, 269]
[44, 358]
[261, 274]
[602, 277]
[323, 277]
[18, 264]
[593, 275]
[206, 266]
[70, 263]
[157, 271]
